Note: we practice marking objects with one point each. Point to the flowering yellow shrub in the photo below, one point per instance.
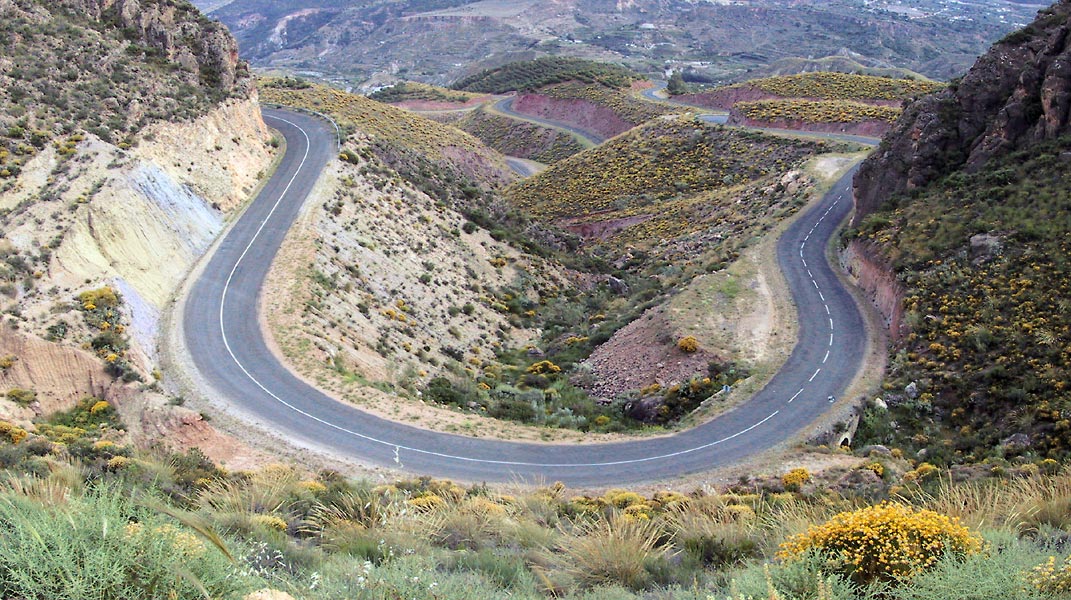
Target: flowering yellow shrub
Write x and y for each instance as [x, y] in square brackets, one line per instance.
[426, 503]
[544, 367]
[118, 463]
[11, 432]
[795, 478]
[622, 498]
[876, 467]
[270, 522]
[1049, 579]
[688, 344]
[886, 542]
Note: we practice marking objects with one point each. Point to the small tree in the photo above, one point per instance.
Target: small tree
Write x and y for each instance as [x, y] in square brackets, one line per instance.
[676, 85]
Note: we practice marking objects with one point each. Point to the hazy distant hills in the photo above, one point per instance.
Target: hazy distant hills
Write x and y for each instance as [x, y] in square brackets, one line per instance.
[440, 40]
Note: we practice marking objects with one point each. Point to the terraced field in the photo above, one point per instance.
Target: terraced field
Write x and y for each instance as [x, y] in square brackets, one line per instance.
[815, 111]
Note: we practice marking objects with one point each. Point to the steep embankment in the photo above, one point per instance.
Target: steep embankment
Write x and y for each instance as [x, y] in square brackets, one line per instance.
[965, 207]
[132, 131]
[590, 107]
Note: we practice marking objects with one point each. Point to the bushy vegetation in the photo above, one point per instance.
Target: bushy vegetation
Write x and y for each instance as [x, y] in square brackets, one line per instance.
[391, 126]
[357, 113]
[884, 542]
[659, 161]
[530, 75]
[519, 138]
[412, 90]
[101, 310]
[64, 73]
[842, 86]
[178, 526]
[986, 345]
[815, 111]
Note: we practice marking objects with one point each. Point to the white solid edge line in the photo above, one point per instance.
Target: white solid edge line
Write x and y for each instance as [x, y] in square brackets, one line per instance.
[399, 446]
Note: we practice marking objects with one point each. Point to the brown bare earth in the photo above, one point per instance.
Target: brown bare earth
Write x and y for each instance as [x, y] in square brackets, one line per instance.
[643, 353]
[61, 375]
[578, 113]
[153, 423]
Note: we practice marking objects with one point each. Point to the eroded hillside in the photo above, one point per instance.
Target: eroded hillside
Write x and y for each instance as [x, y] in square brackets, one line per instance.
[131, 134]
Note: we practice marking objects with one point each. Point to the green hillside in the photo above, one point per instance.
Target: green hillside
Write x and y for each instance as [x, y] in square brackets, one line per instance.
[519, 138]
[63, 72]
[656, 162]
[988, 348]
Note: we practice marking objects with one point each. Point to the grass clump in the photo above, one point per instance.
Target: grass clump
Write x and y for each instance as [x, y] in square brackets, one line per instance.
[102, 545]
[619, 550]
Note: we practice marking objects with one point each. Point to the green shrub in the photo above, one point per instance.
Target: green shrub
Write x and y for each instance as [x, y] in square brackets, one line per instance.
[21, 397]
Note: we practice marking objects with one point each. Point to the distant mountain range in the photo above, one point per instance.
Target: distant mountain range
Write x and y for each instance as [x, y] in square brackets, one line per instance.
[438, 41]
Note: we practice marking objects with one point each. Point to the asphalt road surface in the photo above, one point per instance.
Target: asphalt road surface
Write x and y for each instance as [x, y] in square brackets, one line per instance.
[224, 337]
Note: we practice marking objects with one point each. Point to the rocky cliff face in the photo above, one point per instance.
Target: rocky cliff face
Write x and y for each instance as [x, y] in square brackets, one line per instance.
[179, 32]
[1017, 94]
[132, 130]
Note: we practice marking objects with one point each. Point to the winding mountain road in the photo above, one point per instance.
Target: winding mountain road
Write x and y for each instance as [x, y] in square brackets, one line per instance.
[224, 338]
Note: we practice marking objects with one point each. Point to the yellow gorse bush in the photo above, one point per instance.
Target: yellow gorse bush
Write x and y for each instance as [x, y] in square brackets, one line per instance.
[1048, 578]
[795, 478]
[842, 86]
[816, 111]
[886, 542]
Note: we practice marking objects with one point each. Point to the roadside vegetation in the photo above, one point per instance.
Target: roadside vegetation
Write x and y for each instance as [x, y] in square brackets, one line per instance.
[841, 86]
[815, 111]
[87, 516]
[526, 76]
[983, 259]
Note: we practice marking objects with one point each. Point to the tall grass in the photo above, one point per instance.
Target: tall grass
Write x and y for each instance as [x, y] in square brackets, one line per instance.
[103, 546]
[616, 550]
